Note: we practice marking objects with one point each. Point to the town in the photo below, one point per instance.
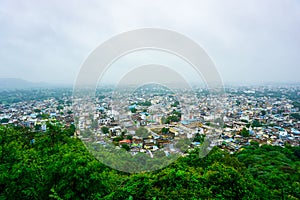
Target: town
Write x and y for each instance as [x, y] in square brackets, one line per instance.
[155, 118]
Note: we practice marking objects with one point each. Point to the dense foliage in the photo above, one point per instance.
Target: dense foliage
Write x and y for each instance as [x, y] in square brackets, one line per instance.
[53, 165]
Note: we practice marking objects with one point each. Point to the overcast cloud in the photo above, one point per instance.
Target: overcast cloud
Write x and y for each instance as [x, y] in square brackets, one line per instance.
[249, 41]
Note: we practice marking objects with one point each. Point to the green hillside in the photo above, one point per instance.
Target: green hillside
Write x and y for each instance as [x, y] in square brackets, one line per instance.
[56, 166]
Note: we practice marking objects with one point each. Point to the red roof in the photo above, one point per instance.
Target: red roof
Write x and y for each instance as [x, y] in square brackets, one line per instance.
[125, 141]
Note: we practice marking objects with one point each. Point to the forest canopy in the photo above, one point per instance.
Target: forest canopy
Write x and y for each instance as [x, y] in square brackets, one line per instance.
[54, 165]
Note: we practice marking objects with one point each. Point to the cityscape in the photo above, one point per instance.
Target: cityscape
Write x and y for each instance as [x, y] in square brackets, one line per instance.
[149, 100]
[153, 118]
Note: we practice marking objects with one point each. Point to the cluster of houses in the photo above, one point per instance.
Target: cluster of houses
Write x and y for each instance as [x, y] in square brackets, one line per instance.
[35, 114]
[266, 120]
[237, 119]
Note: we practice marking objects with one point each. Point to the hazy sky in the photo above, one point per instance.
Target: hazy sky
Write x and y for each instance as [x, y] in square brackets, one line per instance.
[249, 41]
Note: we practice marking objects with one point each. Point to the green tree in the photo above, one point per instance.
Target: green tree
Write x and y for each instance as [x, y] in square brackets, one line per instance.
[133, 110]
[256, 123]
[129, 137]
[126, 147]
[199, 137]
[245, 132]
[296, 116]
[105, 129]
[37, 110]
[165, 130]
[4, 120]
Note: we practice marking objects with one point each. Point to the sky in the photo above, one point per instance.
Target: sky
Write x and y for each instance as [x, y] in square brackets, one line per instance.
[249, 41]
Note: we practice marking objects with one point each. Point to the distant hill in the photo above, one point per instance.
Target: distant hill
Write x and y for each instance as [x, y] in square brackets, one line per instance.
[15, 83]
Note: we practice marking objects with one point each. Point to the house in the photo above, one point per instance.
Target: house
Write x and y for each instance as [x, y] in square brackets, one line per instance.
[128, 142]
[149, 143]
[137, 140]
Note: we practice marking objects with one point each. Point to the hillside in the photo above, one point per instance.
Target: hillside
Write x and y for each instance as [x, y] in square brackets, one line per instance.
[52, 165]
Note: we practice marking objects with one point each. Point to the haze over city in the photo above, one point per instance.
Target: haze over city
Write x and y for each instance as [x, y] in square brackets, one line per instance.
[249, 42]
